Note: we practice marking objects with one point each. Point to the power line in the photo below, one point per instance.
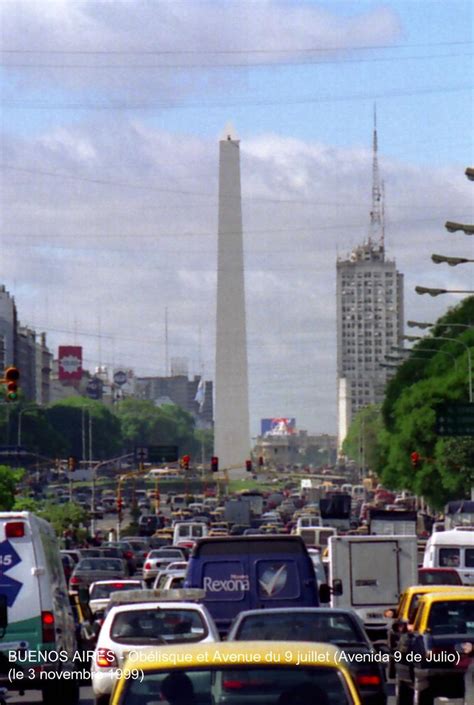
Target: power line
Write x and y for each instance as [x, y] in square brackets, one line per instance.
[240, 102]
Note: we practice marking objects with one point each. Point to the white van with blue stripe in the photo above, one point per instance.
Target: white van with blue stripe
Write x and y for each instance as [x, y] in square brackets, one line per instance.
[39, 639]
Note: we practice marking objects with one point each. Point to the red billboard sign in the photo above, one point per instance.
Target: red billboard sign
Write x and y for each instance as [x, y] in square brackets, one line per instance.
[70, 362]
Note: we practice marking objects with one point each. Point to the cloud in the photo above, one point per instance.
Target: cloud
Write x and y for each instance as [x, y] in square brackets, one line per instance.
[103, 230]
[129, 51]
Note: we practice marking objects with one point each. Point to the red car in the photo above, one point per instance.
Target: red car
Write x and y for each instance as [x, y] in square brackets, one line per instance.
[438, 576]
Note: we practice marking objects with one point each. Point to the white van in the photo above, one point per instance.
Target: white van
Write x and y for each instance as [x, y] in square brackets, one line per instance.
[188, 531]
[40, 620]
[316, 536]
[452, 549]
[306, 521]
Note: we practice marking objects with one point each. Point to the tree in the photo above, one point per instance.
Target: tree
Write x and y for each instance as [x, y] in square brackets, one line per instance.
[409, 413]
[73, 418]
[9, 480]
[362, 443]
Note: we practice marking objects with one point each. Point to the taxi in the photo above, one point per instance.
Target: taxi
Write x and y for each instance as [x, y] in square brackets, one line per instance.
[164, 533]
[433, 657]
[237, 673]
[404, 614]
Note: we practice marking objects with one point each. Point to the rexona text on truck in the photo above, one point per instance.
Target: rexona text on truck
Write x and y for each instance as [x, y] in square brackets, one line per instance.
[368, 574]
[252, 572]
[39, 639]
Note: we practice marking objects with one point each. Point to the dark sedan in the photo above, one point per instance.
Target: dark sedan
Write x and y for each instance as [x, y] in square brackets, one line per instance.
[89, 570]
[342, 628]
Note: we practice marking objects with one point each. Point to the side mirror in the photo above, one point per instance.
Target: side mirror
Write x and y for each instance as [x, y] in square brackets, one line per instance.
[3, 612]
[324, 593]
[337, 588]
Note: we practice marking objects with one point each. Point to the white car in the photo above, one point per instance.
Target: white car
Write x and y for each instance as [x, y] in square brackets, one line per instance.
[180, 566]
[170, 580]
[143, 619]
[157, 559]
[101, 590]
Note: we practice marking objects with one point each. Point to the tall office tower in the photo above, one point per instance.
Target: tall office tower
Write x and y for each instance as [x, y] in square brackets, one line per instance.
[231, 417]
[369, 298]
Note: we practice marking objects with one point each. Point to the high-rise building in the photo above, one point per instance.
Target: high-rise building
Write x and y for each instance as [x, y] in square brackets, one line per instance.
[231, 419]
[8, 328]
[369, 296]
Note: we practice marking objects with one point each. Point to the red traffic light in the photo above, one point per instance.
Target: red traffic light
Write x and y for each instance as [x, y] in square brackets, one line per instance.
[12, 375]
[415, 459]
[186, 459]
[248, 465]
[215, 463]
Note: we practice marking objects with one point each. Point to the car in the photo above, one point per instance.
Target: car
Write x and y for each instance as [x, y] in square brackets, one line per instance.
[438, 576]
[126, 553]
[170, 581]
[157, 559]
[149, 523]
[432, 657]
[140, 547]
[88, 570]
[143, 618]
[342, 628]
[404, 614]
[101, 590]
[231, 673]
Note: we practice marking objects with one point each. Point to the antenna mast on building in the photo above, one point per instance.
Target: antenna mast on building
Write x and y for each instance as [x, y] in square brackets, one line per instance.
[376, 219]
[166, 343]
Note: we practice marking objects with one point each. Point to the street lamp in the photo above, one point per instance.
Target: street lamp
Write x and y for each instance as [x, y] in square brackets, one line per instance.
[423, 324]
[453, 340]
[438, 292]
[452, 261]
[453, 227]
[436, 350]
[20, 413]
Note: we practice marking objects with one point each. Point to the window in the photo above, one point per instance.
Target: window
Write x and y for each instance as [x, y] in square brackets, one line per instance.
[449, 557]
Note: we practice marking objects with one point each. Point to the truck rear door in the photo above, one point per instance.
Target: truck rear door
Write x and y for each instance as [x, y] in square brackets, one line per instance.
[374, 573]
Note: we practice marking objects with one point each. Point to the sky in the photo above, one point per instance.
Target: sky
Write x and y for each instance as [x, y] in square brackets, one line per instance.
[111, 115]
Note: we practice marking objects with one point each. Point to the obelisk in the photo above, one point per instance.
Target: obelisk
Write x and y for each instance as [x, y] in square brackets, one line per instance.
[231, 414]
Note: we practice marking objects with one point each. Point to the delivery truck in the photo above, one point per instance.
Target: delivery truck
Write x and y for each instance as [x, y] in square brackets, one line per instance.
[369, 573]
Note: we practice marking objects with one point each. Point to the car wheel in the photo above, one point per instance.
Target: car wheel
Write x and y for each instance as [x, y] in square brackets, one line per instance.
[403, 693]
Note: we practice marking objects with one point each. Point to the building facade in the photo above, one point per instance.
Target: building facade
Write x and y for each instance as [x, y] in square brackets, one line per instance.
[8, 329]
[179, 390]
[370, 318]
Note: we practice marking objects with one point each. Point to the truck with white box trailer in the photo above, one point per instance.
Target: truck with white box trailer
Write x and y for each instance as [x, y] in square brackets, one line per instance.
[369, 573]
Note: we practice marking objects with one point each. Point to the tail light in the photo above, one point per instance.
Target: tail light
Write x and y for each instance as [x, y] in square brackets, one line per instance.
[105, 658]
[128, 555]
[75, 580]
[47, 624]
[365, 679]
[14, 529]
[147, 566]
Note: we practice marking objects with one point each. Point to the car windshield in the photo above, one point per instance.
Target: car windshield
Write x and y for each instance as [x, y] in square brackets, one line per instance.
[158, 625]
[102, 592]
[100, 564]
[440, 577]
[256, 686]
[452, 617]
[302, 626]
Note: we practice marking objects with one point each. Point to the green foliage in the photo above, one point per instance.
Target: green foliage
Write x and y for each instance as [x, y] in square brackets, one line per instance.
[409, 415]
[143, 423]
[70, 418]
[63, 516]
[362, 441]
[9, 480]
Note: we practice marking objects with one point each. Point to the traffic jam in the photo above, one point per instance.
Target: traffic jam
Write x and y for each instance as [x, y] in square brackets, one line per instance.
[318, 593]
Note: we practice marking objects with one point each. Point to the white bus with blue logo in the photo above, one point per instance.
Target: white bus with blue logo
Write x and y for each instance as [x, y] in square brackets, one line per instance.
[39, 639]
[251, 572]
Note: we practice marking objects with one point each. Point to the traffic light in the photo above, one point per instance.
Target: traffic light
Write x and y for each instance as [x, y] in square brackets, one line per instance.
[185, 461]
[71, 463]
[119, 504]
[214, 464]
[415, 459]
[260, 461]
[248, 465]
[12, 375]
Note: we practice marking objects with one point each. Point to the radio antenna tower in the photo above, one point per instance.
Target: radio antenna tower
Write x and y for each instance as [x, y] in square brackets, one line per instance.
[376, 214]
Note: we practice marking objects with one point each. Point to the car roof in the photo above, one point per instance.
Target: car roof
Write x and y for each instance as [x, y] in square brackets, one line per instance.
[466, 593]
[113, 581]
[130, 607]
[298, 610]
[434, 588]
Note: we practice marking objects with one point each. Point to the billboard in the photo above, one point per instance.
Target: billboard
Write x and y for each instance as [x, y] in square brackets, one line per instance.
[69, 362]
[278, 426]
